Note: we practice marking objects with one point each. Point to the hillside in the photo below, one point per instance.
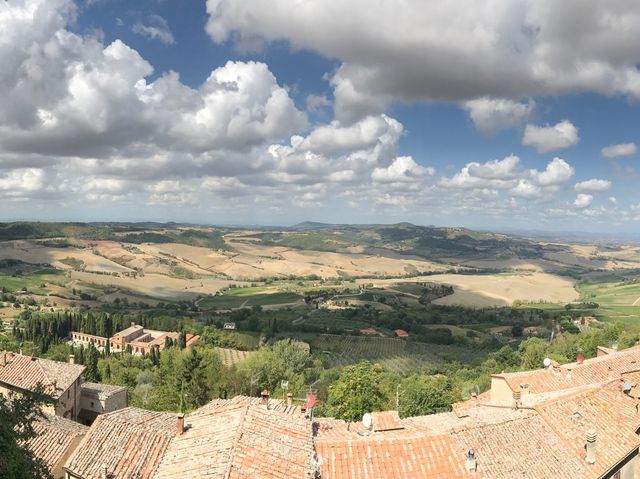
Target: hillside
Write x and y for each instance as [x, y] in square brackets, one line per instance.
[93, 263]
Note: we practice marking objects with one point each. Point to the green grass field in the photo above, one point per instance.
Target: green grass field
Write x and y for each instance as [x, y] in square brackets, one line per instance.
[327, 320]
[619, 301]
[247, 297]
[543, 306]
[33, 281]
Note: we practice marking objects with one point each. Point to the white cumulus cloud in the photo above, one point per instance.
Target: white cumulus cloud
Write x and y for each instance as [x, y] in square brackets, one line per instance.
[557, 172]
[550, 138]
[621, 149]
[493, 114]
[443, 50]
[403, 168]
[583, 201]
[592, 186]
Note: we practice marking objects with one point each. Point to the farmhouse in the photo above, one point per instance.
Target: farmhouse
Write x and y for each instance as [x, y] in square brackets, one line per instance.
[230, 325]
[368, 331]
[140, 340]
[401, 333]
[585, 321]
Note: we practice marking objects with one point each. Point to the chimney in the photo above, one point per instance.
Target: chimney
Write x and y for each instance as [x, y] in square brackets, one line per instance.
[470, 461]
[180, 424]
[133, 324]
[3, 359]
[105, 474]
[55, 385]
[591, 446]
[289, 399]
[265, 397]
[517, 397]
[72, 359]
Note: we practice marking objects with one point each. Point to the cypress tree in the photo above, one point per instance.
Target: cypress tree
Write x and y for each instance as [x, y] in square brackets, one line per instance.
[91, 373]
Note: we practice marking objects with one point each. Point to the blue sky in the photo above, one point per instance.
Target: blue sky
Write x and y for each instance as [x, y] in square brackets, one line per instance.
[470, 113]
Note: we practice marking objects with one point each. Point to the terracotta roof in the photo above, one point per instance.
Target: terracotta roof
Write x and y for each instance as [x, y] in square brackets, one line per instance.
[26, 372]
[433, 424]
[368, 331]
[476, 417]
[410, 457]
[401, 333]
[604, 350]
[130, 442]
[209, 438]
[524, 447]
[386, 421]
[238, 441]
[128, 331]
[100, 390]
[608, 411]
[504, 440]
[539, 442]
[55, 439]
[567, 376]
[276, 405]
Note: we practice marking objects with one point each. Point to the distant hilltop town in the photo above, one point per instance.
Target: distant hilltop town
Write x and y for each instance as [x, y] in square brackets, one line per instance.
[578, 420]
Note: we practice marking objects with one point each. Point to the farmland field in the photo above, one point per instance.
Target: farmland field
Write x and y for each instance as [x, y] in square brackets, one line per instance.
[32, 281]
[495, 289]
[232, 356]
[394, 354]
[618, 300]
[324, 319]
[247, 297]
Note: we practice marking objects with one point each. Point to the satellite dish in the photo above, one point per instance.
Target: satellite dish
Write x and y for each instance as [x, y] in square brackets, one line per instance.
[546, 362]
[367, 420]
[627, 387]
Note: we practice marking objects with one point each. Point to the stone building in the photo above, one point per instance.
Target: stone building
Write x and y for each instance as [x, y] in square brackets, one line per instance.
[21, 374]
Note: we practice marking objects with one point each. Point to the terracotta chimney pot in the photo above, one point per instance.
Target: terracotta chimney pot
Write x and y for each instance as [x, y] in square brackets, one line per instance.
[265, 397]
[180, 424]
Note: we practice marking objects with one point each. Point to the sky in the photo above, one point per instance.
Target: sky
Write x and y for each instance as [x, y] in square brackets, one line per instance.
[478, 113]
